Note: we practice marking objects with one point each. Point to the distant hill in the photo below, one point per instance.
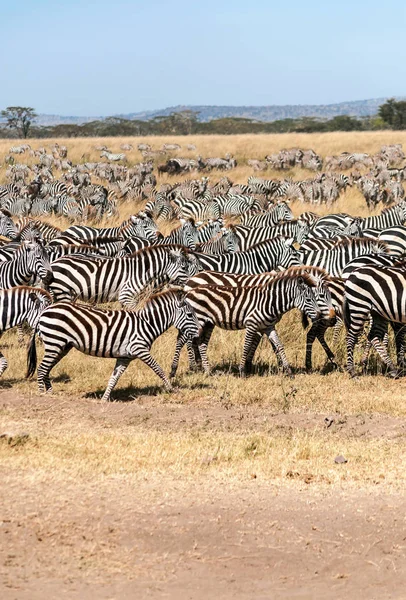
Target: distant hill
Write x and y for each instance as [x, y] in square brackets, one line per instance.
[357, 108]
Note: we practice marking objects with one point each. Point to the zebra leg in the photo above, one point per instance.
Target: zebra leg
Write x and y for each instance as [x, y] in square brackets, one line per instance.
[317, 330]
[279, 350]
[50, 360]
[120, 367]
[337, 330]
[399, 329]
[203, 344]
[354, 330]
[3, 363]
[146, 358]
[249, 341]
[180, 342]
[320, 336]
[377, 338]
[195, 360]
[256, 338]
[20, 334]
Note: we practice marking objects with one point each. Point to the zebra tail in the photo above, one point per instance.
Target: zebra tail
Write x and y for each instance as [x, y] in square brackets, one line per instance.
[32, 356]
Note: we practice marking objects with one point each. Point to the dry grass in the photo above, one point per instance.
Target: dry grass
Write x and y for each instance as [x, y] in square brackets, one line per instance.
[145, 447]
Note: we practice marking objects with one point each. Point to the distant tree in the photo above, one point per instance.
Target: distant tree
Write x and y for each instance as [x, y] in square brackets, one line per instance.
[393, 113]
[344, 123]
[19, 118]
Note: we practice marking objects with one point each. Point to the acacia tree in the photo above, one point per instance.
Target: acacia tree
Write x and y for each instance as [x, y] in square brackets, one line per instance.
[19, 118]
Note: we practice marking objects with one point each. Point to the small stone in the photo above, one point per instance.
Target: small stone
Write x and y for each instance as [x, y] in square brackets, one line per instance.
[340, 460]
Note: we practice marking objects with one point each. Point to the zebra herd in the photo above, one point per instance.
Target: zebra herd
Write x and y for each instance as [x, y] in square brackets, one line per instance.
[236, 258]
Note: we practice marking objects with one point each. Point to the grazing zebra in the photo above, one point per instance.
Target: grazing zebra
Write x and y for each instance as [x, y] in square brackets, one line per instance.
[263, 257]
[278, 212]
[395, 215]
[376, 291]
[124, 335]
[108, 279]
[335, 259]
[20, 305]
[255, 309]
[28, 261]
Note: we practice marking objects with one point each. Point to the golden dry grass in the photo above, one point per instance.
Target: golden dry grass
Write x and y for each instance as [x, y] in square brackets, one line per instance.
[147, 448]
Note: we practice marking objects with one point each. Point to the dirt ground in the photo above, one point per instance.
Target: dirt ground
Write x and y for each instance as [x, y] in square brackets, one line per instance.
[167, 535]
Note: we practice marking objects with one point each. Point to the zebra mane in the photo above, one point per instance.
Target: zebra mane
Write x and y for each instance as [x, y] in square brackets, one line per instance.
[364, 243]
[293, 273]
[30, 289]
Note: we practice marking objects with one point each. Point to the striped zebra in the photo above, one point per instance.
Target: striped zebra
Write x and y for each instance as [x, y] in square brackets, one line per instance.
[394, 215]
[249, 236]
[48, 232]
[185, 235]
[257, 185]
[160, 208]
[210, 230]
[234, 204]
[53, 188]
[226, 241]
[255, 309]
[324, 290]
[20, 305]
[380, 292]
[395, 238]
[278, 212]
[337, 222]
[140, 225]
[7, 227]
[132, 245]
[28, 261]
[197, 209]
[120, 334]
[55, 252]
[113, 157]
[108, 279]
[335, 259]
[263, 257]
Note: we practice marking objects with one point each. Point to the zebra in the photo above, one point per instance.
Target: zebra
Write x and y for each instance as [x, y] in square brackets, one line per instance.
[257, 185]
[234, 205]
[262, 257]
[255, 309]
[197, 209]
[19, 305]
[210, 230]
[278, 212]
[325, 288]
[8, 228]
[131, 245]
[249, 236]
[394, 215]
[48, 232]
[137, 225]
[30, 260]
[113, 157]
[54, 188]
[185, 235]
[378, 292]
[120, 334]
[107, 279]
[395, 238]
[334, 259]
[226, 241]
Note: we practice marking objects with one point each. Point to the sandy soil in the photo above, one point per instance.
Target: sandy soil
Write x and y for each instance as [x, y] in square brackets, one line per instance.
[163, 536]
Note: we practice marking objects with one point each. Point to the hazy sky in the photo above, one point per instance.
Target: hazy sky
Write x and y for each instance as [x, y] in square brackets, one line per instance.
[108, 57]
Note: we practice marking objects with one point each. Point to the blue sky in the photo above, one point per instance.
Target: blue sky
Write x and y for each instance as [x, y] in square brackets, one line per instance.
[108, 57]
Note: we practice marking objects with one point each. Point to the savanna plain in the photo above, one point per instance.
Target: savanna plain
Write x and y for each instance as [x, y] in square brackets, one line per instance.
[225, 488]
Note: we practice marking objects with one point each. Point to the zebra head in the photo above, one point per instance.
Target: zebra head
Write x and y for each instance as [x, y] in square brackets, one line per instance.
[142, 225]
[38, 261]
[231, 241]
[303, 231]
[189, 235]
[7, 226]
[288, 255]
[185, 319]
[39, 300]
[305, 298]
[282, 212]
[178, 269]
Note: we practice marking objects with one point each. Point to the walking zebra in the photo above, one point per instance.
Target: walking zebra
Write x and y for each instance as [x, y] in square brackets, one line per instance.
[255, 309]
[113, 157]
[335, 259]
[263, 257]
[28, 261]
[20, 305]
[124, 335]
[108, 279]
[376, 291]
